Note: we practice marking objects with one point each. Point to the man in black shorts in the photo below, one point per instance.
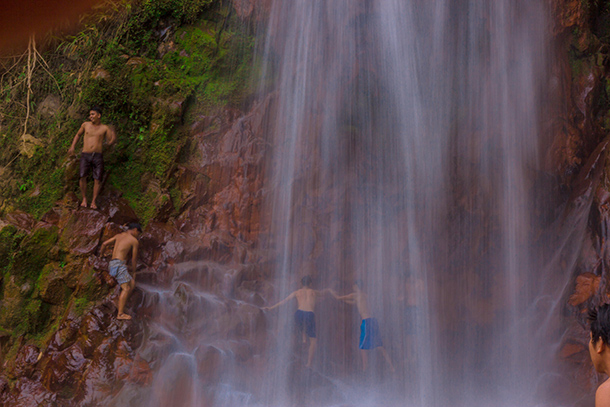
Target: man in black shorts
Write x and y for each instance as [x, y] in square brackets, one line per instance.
[91, 158]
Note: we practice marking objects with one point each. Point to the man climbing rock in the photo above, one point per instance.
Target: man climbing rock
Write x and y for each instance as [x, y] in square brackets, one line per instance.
[123, 244]
[91, 157]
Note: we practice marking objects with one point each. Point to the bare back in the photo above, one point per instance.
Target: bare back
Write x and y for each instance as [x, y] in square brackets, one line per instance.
[362, 304]
[306, 299]
[123, 244]
[93, 138]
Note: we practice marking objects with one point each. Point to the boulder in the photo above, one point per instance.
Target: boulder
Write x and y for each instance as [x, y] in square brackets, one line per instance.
[81, 230]
[51, 286]
[50, 106]
[25, 362]
[21, 220]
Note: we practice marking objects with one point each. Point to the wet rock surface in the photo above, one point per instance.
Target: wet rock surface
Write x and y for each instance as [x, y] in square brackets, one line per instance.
[197, 283]
[202, 276]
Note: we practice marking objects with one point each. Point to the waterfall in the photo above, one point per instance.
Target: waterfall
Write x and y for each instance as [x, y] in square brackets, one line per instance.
[404, 149]
[407, 141]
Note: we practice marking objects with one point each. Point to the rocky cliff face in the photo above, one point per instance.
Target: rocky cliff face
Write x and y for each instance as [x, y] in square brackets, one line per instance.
[60, 342]
[579, 155]
[206, 257]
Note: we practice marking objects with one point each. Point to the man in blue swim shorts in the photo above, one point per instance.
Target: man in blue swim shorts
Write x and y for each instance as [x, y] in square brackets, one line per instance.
[370, 337]
[304, 317]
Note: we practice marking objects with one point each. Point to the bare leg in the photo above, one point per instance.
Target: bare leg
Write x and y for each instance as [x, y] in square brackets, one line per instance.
[125, 290]
[313, 342]
[387, 358]
[365, 359]
[96, 191]
[83, 191]
[304, 337]
[410, 356]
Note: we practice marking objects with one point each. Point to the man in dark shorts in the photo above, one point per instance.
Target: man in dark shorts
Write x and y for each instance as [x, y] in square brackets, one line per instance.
[91, 158]
[304, 317]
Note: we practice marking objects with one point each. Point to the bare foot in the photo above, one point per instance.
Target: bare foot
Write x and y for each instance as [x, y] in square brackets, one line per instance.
[93, 205]
[84, 203]
[123, 317]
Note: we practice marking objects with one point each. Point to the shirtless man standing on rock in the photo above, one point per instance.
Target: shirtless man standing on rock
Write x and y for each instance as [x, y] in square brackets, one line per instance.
[91, 158]
[123, 243]
[304, 317]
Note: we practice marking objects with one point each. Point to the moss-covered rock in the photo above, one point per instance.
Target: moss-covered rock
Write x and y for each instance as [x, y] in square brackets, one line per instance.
[13, 299]
[10, 238]
[51, 287]
[32, 254]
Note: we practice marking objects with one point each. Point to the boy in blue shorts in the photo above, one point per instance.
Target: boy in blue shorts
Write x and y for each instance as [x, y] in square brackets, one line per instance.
[370, 337]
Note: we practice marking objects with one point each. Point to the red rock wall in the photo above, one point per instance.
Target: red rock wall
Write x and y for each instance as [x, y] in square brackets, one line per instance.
[579, 158]
[213, 245]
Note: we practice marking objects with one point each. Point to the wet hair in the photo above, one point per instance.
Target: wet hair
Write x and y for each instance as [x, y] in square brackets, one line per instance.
[96, 109]
[358, 283]
[599, 319]
[306, 281]
[134, 225]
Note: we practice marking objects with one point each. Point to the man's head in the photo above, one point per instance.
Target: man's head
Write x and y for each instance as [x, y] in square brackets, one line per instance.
[600, 335]
[306, 281]
[95, 114]
[134, 228]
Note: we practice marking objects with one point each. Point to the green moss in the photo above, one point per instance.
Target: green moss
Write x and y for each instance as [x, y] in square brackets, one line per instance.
[42, 338]
[50, 287]
[32, 254]
[34, 317]
[145, 95]
[80, 305]
[176, 196]
[9, 240]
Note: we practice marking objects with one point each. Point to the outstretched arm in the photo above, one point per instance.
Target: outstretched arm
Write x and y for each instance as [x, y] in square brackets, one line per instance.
[107, 242]
[323, 292]
[291, 296]
[349, 298]
[79, 133]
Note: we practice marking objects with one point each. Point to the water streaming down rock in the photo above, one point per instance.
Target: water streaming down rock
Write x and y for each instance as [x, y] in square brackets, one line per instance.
[407, 143]
[404, 140]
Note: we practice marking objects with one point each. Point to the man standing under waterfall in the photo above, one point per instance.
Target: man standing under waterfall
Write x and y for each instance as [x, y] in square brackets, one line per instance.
[370, 337]
[600, 351]
[91, 157]
[123, 244]
[304, 317]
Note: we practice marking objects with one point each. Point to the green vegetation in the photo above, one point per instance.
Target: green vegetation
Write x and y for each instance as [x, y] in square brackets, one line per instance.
[150, 65]
[31, 256]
